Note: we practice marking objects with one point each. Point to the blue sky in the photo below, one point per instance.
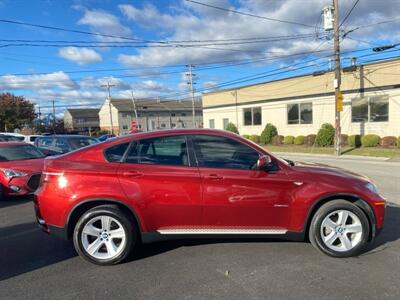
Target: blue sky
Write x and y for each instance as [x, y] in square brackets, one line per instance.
[223, 46]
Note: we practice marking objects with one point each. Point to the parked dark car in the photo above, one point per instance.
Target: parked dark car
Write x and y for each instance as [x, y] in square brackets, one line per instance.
[8, 138]
[59, 144]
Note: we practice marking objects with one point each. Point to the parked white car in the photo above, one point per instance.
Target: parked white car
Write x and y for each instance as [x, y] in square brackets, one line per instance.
[23, 138]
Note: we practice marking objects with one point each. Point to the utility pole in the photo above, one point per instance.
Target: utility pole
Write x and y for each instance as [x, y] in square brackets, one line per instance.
[134, 108]
[337, 82]
[54, 117]
[109, 86]
[190, 83]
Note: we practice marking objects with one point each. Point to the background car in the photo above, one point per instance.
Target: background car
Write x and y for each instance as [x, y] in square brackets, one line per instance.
[18, 137]
[105, 137]
[59, 144]
[8, 138]
[31, 138]
[21, 166]
[200, 182]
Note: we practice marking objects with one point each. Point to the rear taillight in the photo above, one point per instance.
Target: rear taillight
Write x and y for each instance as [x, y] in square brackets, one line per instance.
[55, 177]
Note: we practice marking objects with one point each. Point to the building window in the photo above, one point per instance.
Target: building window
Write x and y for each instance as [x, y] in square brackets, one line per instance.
[162, 125]
[300, 113]
[370, 109]
[183, 114]
[124, 115]
[252, 116]
[80, 121]
[173, 115]
[225, 122]
[173, 125]
[125, 127]
[211, 123]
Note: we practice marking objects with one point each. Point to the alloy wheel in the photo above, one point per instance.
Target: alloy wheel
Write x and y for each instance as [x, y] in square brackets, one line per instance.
[103, 237]
[341, 230]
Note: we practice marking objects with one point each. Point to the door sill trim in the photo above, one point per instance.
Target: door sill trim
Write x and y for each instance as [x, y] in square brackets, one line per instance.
[220, 231]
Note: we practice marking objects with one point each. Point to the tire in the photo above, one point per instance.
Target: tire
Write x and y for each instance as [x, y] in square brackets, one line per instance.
[337, 238]
[104, 235]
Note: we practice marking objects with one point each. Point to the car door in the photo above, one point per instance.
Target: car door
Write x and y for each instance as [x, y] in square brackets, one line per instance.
[159, 176]
[236, 194]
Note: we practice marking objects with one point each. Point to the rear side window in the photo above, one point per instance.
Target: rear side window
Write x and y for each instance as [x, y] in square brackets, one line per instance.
[44, 142]
[221, 152]
[116, 153]
[170, 150]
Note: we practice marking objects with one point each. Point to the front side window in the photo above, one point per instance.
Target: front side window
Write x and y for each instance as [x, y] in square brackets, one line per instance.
[370, 109]
[170, 150]
[300, 113]
[220, 152]
[252, 116]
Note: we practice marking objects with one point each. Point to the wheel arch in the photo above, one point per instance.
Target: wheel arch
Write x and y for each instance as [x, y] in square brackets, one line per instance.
[355, 199]
[79, 209]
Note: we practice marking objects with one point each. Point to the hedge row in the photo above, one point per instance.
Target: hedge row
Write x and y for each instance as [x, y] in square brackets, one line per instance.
[324, 137]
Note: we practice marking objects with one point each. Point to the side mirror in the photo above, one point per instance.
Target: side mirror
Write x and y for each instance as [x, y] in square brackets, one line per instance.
[263, 162]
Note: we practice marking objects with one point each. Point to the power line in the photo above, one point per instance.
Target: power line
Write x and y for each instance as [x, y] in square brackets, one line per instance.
[249, 15]
[349, 13]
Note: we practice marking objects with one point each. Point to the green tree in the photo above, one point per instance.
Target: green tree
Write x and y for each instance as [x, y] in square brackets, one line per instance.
[231, 127]
[268, 133]
[15, 112]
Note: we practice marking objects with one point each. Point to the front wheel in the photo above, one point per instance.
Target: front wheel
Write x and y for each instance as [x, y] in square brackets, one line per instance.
[340, 229]
[104, 235]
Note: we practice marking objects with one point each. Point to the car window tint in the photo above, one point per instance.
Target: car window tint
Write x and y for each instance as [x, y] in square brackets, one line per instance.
[169, 150]
[20, 152]
[82, 142]
[221, 152]
[45, 142]
[62, 145]
[115, 153]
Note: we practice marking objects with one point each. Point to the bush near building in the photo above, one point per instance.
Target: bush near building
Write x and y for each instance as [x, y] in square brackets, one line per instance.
[268, 133]
[354, 140]
[325, 135]
[288, 140]
[299, 140]
[310, 139]
[398, 142]
[246, 136]
[254, 138]
[388, 141]
[344, 139]
[232, 128]
[277, 140]
[370, 140]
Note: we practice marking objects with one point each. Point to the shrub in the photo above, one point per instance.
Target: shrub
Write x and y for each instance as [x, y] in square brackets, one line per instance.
[246, 136]
[398, 142]
[354, 140]
[370, 140]
[232, 128]
[325, 135]
[299, 140]
[288, 140]
[310, 139]
[277, 140]
[254, 138]
[344, 139]
[268, 133]
[388, 141]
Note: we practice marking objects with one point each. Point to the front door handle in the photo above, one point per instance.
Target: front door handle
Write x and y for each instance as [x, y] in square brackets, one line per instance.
[214, 177]
[132, 174]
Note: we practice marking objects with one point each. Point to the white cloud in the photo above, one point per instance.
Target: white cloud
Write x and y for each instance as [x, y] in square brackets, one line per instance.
[81, 56]
[35, 82]
[105, 23]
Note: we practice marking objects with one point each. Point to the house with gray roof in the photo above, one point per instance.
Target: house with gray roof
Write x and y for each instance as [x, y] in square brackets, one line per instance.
[81, 120]
[152, 114]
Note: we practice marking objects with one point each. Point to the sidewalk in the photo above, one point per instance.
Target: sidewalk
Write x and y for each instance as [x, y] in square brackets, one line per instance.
[342, 157]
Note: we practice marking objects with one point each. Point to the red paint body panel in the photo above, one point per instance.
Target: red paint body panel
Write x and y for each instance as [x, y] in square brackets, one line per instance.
[164, 196]
[30, 167]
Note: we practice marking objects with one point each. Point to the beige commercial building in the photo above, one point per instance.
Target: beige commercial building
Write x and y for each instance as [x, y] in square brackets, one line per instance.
[300, 105]
[81, 120]
[152, 114]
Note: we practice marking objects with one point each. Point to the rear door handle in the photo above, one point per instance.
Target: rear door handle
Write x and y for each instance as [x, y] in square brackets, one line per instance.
[132, 174]
[214, 177]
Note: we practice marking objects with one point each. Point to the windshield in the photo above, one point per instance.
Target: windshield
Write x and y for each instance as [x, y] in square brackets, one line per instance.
[82, 142]
[8, 138]
[20, 152]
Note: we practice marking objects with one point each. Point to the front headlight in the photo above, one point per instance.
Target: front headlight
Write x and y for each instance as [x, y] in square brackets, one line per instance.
[372, 187]
[9, 173]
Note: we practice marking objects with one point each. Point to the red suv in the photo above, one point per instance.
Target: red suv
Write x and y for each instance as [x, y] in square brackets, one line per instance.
[199, 182]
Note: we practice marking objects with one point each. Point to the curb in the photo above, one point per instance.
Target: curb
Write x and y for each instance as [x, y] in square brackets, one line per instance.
[344, 157]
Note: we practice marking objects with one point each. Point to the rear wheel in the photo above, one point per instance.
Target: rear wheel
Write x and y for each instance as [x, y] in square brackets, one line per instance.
[340, 229]
[104, 235]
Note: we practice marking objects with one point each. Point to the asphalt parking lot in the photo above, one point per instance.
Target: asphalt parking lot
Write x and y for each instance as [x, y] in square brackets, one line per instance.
[36, 266]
